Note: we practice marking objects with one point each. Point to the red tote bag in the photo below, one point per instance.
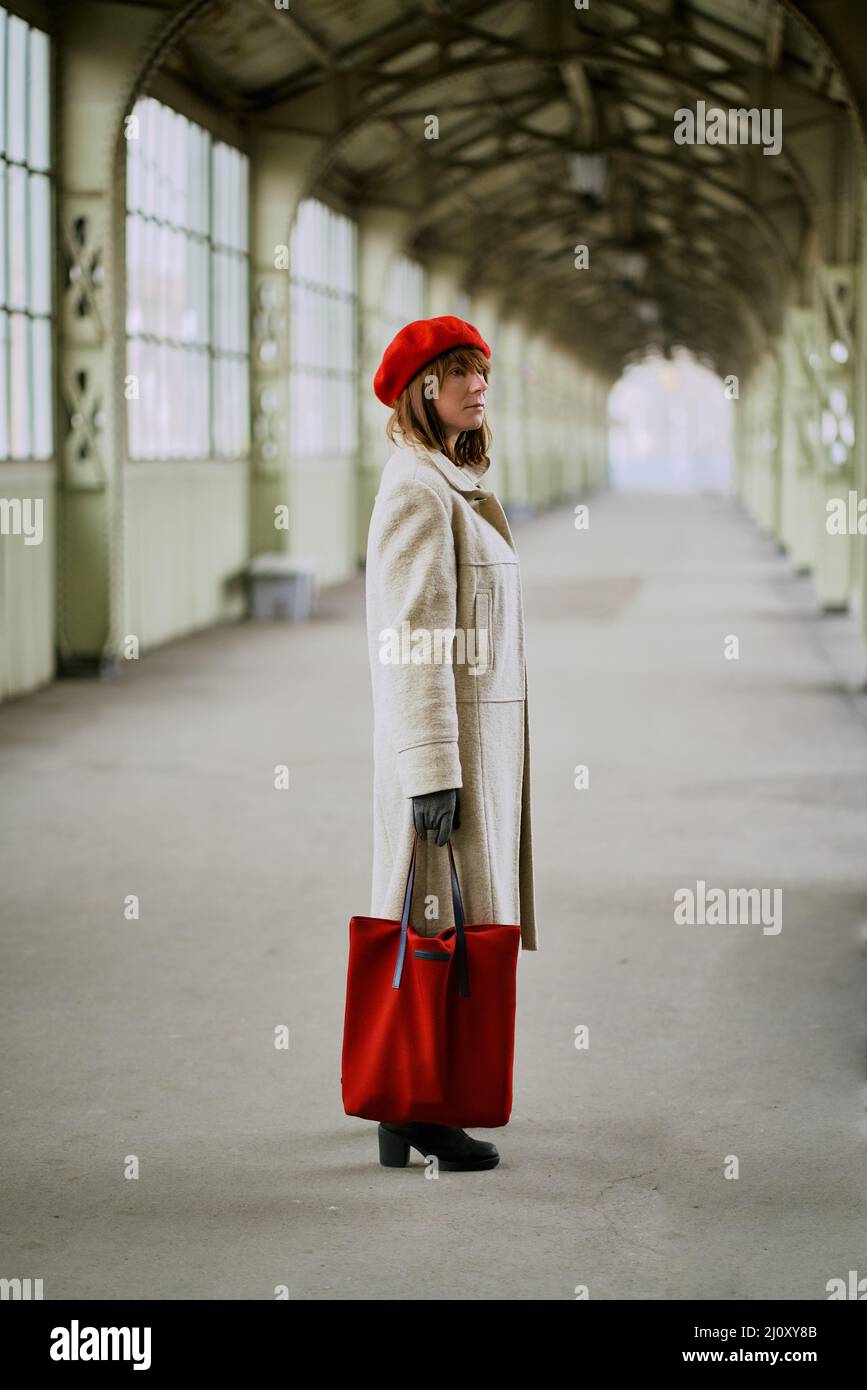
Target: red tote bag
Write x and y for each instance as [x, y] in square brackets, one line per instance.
[429, 1029]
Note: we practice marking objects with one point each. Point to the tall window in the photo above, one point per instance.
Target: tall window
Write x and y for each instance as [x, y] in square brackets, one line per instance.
[187, 289]
[25, 242]
[404, 293]
[323, 348]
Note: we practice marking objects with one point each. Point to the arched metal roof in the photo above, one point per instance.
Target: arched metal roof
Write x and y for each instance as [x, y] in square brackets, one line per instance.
[556, 129]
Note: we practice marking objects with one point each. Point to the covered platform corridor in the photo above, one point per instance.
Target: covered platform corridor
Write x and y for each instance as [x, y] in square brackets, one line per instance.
[155, 1037]
[215, 216]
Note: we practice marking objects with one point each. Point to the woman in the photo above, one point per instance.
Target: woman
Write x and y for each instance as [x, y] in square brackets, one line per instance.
[451, 736]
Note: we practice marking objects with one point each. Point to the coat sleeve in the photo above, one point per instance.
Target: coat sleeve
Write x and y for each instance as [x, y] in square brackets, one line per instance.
[414, 569]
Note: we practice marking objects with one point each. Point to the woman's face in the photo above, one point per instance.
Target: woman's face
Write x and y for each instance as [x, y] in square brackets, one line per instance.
[461, 400]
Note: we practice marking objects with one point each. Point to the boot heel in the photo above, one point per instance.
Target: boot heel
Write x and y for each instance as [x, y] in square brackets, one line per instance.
[393, 1149]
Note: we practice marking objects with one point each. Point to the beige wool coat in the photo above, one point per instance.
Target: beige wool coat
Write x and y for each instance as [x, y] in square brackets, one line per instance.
[443, 577]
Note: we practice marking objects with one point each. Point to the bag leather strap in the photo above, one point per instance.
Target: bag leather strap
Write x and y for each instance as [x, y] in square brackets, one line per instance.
[460, 936]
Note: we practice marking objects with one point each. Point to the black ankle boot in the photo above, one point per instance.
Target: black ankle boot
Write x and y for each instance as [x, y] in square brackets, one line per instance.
[454, 1149]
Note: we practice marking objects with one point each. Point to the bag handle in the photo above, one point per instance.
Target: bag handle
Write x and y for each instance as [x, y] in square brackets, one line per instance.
[458, 907]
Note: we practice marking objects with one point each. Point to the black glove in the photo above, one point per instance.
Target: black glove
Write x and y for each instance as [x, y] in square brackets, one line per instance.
[437, 811]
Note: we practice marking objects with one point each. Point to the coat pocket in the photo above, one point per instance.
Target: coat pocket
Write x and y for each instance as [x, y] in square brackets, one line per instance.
[484, 633]
[491, 615]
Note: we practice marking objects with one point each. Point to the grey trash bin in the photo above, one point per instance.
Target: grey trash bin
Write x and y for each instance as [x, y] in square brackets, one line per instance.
[282, 588]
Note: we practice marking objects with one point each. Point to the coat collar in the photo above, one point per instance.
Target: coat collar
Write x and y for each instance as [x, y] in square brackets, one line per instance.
[465, 482]
[461, 478]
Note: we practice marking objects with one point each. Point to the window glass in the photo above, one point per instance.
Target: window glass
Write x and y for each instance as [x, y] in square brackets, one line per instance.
[26, 425]
[187, 289]
[323, 397]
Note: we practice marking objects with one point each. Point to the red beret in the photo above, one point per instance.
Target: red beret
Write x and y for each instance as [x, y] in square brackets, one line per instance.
[416, 345]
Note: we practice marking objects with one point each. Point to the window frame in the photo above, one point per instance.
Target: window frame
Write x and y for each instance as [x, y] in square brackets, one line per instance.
[332, 285]
[206, 344]
[37, 168]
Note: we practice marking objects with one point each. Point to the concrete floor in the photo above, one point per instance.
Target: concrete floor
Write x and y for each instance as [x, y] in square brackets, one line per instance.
[154, 1038]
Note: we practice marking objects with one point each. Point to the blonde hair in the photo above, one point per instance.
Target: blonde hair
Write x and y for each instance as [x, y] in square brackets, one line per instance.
[415, 414]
